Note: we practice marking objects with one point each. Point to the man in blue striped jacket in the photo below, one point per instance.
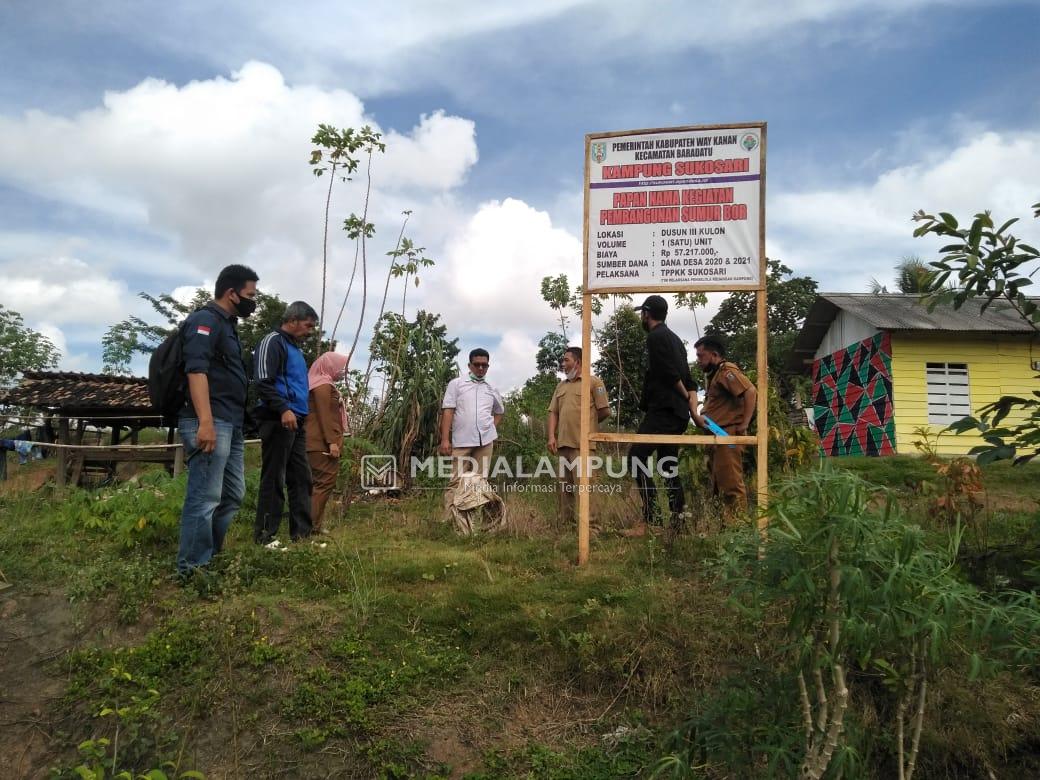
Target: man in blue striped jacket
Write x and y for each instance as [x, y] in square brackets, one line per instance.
[280, 372]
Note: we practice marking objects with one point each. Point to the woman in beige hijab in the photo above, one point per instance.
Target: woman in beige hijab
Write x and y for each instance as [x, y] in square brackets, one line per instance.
[326, 424]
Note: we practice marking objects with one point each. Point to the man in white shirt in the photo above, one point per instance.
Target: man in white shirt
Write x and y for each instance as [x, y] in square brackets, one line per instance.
[470, 412]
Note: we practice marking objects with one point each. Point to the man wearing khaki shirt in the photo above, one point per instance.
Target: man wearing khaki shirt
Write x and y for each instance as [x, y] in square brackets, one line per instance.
[730, 400]
[565, 427]
[470, 412]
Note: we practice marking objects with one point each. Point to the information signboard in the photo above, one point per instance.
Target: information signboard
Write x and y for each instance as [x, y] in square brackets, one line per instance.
[679, 209]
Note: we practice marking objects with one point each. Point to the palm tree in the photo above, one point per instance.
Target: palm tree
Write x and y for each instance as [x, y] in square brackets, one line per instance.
[913, 277]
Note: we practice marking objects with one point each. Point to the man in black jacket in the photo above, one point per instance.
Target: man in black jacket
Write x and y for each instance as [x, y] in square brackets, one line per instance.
[211, 420]
[669, 394]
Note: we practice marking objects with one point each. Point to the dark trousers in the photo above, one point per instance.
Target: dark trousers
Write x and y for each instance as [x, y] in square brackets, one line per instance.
[283, 466]
[639, 460]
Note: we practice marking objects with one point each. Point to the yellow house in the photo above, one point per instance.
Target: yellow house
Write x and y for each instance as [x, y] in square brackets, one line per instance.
[883, 367]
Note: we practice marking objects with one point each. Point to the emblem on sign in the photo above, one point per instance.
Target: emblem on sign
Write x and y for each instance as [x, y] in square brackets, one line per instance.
[749, 141]
[599, 151]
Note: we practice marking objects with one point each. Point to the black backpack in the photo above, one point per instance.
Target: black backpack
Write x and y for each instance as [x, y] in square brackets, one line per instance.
[167, 382]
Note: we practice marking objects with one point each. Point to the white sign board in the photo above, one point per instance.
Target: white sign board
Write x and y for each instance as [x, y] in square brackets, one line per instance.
[675, 208]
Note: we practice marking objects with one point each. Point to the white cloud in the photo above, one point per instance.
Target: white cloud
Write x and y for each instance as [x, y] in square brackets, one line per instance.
[62, 291]
[216, 169]
[436, 155]
[221, 163]
[493, 286]
[513, 360]
[216, 172]
[55, 335]
[68, 360]
[845, 237]
[496, 264]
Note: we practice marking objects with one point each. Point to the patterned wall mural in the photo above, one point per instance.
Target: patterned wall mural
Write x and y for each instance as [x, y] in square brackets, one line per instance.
[852, 391]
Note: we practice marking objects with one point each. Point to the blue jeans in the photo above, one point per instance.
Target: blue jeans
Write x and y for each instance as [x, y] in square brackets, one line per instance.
[216, 487]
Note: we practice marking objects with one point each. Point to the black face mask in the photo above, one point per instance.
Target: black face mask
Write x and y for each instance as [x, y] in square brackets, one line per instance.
[245, 306]
[709, 370]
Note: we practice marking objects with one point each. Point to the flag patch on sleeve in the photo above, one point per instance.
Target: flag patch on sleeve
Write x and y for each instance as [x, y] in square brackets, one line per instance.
[203, 330]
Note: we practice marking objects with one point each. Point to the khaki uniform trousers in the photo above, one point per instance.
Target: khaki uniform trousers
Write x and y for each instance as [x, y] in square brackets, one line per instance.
[567, 485]
[324, 472]
[567, 488]
[727, 479]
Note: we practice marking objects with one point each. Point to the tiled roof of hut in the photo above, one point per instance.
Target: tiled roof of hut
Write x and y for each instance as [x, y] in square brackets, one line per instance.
[68, 390]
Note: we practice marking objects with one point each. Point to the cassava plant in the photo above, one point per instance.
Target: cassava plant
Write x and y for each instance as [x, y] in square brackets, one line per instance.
[865, 597]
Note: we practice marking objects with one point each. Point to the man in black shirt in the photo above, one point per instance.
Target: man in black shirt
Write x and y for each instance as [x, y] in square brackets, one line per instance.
[669, 394]
[211, 421]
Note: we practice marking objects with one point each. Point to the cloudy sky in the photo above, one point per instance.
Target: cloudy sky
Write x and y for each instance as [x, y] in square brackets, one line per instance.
[143, 145]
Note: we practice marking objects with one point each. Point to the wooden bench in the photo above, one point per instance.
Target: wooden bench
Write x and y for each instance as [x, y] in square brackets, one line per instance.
[71, 461]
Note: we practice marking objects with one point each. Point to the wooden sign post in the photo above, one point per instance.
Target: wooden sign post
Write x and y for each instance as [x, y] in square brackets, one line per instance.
[676, 209]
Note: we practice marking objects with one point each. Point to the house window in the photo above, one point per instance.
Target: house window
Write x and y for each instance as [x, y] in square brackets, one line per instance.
[948, 398]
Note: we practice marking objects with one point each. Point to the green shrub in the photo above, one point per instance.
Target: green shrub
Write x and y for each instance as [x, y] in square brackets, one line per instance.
[145, 510]
[867, 604]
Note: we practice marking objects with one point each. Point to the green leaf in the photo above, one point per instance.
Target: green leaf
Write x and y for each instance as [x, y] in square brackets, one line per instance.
[997, 453]
[1007, 224]
[976, 234]
[976, 667]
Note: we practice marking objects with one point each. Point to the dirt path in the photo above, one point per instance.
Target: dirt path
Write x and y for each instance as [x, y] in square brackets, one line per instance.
[36, 628]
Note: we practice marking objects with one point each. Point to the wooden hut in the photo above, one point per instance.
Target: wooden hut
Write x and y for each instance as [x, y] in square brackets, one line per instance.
[77, 402]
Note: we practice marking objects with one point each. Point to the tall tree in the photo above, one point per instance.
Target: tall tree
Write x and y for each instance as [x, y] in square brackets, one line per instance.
[788, 299]
[22, 348]
[135, 336]
[359, 229]
[622, 363]
[334, 154]
[550, 352]
[556, 292]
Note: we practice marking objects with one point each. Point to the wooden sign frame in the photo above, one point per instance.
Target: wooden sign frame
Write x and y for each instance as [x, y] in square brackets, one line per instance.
[761, 439]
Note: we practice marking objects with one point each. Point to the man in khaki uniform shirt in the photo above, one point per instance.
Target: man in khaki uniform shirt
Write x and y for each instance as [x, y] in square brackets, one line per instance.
[565, 427]
[729, 400]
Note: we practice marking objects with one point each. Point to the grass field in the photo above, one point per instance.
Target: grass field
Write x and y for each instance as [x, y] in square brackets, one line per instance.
[400, 650]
